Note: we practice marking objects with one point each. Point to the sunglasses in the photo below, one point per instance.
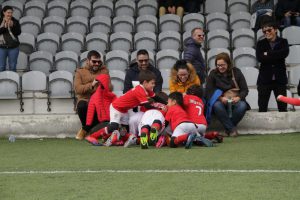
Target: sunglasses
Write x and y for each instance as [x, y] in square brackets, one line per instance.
[142, 61]
[96, 61]
[267, 30]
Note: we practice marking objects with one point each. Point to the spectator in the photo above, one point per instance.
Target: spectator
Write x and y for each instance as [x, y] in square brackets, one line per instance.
[263, 11]
[183, 75]
[192, 6]
[229, 109]
[9, 43]
[271, 53]
[192, 52]
[171, 7]
[288, 12]
[132, 74]
[85, 84]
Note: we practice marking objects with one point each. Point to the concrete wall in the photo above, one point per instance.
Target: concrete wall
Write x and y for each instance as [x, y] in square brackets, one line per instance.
[60, 125]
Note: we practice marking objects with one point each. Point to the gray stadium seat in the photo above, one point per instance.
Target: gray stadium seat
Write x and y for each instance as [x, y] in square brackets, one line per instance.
[117, 60]
[125, 7]
[146, 23]
[72, 42]
[117, 78]
[218, 38]
[22, 64]
[294, 75]
[211, 55]
[48, 42]
[216, 21]
[151, 57]
[240, 20]
[61, 84]
[244, 57]
[170, 22]
[165, 73]
[80, 8]
[243, 38]
[250, 74]
[97, 41]
[31, 24]
[147, 7]
[58, 8]
[238, 5]
[66, 61]
[252, 98]
[212, 6]
[293, 58]
[169, 40]
[193, 20]
[100, 24]
[123, 24]
[166, 58]
[54, 24]
[27, 43]
[17, 6]
[77, 24]
[41, 61]
[9, 85]
[35, 8]
[292, 33]
[121, 41]
[145, 40]
[34, 81]
[103, 8]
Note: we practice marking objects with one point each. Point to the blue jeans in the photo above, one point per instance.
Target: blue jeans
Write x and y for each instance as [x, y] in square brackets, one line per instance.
[287, 21]
[238, 112]
[12, 55]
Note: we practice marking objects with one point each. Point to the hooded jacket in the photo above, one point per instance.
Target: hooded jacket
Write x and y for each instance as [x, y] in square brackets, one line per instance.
[192, 54]
[177, 86]
[83, 80]
[132, 74]
[100, 101]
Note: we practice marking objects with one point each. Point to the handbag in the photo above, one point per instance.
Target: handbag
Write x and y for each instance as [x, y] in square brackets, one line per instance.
[233, 92]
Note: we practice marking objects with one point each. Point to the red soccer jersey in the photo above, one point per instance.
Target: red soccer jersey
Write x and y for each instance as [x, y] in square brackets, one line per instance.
[132, 98]
[176, 115]
[194, 107]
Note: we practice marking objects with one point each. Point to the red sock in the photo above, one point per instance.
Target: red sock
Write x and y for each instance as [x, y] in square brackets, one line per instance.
[99, 133]
[156, 125]
[138, 141]
[125, 137]
[211, 135]
[180, 139]
[145, 130]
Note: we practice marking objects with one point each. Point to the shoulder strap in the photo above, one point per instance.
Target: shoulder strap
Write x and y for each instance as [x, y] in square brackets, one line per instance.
[234, 81]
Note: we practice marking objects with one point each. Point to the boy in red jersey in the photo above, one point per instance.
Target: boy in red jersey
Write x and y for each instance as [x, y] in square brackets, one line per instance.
[184, 130]
[118, 109]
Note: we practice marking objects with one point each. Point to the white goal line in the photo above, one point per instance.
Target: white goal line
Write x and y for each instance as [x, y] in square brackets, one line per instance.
[153, 171]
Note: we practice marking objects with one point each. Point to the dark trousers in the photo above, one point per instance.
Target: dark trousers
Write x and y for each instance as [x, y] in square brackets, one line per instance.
[264, 93]
[82, 108]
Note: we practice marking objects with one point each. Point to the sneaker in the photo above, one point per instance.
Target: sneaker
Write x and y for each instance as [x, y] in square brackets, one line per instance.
[190, 140]
[161, 141]
[144, 141]
[204, 141]
[80, 134]
[93, 141]
[114, 137]
[130, 141]
[153, 136]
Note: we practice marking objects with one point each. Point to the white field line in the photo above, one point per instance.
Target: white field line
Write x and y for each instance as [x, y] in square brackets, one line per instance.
[225, 171]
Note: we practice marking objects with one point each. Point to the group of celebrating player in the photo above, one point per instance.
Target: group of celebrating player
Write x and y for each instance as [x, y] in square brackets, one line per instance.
[172, 120]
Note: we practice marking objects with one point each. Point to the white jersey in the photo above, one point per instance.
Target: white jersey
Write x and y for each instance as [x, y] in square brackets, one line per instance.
[149, 117]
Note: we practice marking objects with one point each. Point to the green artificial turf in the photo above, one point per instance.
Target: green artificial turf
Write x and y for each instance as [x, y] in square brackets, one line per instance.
[60, 170]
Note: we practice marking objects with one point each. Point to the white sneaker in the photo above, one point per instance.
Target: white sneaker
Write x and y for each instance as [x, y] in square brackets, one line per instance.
[114, 137]
[130, 141]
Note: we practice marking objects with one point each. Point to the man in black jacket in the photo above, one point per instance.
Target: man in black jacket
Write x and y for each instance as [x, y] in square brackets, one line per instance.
[271, 53]
[142, 63]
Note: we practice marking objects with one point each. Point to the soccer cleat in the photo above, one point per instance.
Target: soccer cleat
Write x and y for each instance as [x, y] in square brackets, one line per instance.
[204, 141]
[93, 141]
[130, 141]
[114, 137]
[144, 141]
[190, 140]
[161, 141]
[153, 136]
[80, 134]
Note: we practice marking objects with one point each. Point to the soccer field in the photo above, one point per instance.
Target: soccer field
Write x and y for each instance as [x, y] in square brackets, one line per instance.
[247, 167]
